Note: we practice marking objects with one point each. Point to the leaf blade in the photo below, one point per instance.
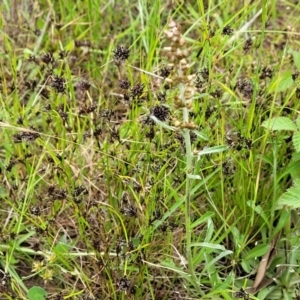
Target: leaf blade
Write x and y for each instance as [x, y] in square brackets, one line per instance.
[279, 123]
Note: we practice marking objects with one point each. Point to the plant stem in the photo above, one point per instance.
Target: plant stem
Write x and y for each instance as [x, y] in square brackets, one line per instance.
[189, 166]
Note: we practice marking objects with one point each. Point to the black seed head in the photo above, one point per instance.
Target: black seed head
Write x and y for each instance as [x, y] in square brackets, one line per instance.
[25, 136]
[126, 97]
[137, 90]
[62, 54]
[217, 94]
[160, 112]
[45, 93]
[124, 84]
[266, 72]
[295, 75]
[121, 53]
[35, 210]
[129, 211]
[48, 58]
[58, 84]
[124, 283]
[248, 45]
[298, 93]
[32, 58]
[161, 96]
[83, 85]
[227, 30]
[245, 86]
[165, 72]
[86, 43]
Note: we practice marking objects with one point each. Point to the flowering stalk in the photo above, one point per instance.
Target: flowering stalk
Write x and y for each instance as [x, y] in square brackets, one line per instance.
[183, 103]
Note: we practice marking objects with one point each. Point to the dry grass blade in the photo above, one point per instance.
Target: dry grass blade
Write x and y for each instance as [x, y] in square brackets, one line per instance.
[6, 125]
[261, 280]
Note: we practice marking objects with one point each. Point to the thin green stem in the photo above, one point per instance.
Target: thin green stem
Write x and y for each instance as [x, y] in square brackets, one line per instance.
[189, 167]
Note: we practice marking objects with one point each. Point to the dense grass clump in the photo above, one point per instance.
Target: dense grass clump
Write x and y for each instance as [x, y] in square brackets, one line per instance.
[149, 150]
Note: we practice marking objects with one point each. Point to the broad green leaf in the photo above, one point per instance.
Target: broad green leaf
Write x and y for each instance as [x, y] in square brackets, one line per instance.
[36, 293]
[279, 123]
[296, 57]
[291, 197]
[285, 81]
[246, 266]
[296, 141]
[257, 251]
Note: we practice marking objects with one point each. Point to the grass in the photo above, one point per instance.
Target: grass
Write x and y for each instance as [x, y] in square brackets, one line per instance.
[128, 173]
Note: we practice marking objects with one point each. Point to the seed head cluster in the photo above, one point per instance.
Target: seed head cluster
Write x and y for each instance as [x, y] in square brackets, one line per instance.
[48, 58]
[161, 112]
[137, 90]
[227, 30]
[245, 86]
[58, 84]
[124, 84]
[121, 53]
[25, 136]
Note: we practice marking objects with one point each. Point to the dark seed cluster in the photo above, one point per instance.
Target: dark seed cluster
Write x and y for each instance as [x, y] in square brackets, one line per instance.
[83, 85]
[48, 58]
[124, 84]
[245, 86]
[83, 43]
[137, 90]
[266, 72]
[248, 45]
[227, 30]
[241, 294]
[124, 283]
[25, 137]
[58, 83]
[161, 112]
[100, 142]
[121, 53]
[165, 72]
